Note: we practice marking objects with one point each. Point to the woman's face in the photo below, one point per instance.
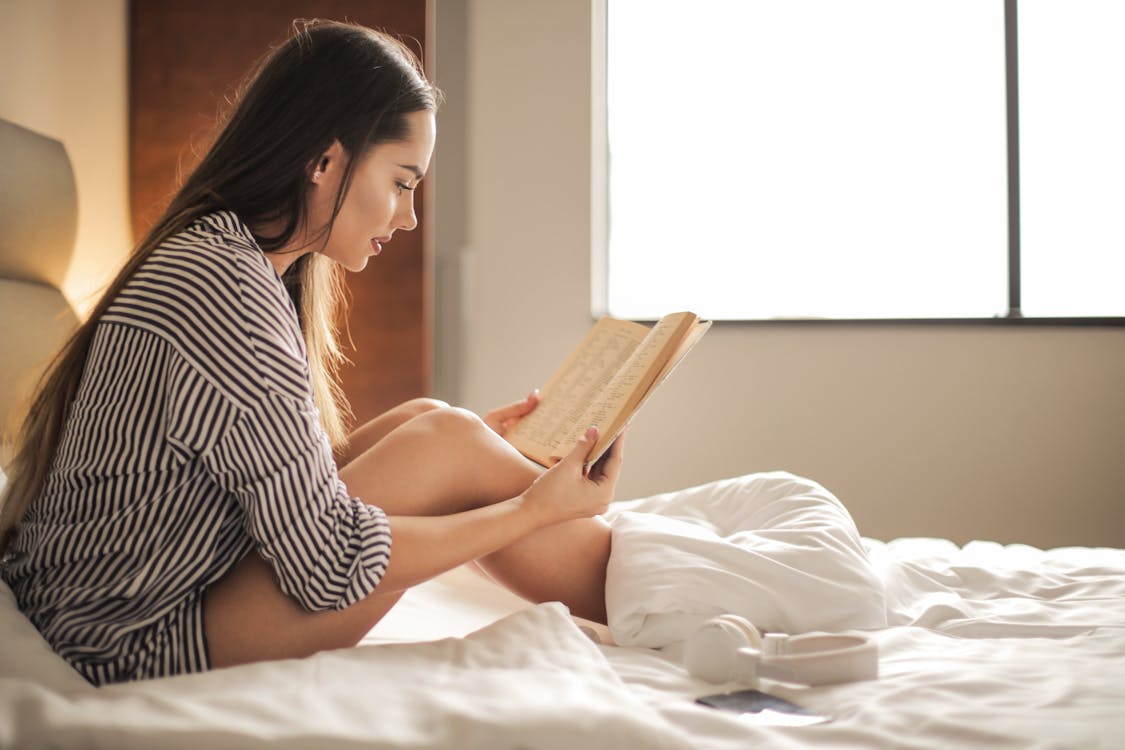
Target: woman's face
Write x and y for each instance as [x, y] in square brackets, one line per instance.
[380, 200]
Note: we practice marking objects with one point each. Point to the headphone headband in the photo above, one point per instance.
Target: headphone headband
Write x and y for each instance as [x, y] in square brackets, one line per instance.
[729, 648]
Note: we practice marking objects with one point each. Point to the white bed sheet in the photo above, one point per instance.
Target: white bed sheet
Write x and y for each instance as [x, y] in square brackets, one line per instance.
[986, 646]
[530, 680]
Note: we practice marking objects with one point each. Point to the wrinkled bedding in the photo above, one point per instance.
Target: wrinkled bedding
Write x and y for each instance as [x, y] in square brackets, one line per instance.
[987, 646]
[532, 679]
[981, 646]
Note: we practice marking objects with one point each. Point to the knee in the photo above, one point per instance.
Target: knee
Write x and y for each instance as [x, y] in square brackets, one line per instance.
[482, 466]
[418, 406]
[451, 421]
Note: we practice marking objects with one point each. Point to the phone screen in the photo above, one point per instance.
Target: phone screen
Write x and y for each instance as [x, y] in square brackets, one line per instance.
[762, 708]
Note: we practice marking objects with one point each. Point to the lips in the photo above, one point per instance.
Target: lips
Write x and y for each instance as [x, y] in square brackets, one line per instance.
[377, 244]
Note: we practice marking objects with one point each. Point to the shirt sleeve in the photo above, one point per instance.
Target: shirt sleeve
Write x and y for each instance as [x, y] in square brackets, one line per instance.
[327, 549]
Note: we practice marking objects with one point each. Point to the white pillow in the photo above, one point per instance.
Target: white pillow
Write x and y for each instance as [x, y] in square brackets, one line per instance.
[774, 548]
[23, 652]
[25, 655]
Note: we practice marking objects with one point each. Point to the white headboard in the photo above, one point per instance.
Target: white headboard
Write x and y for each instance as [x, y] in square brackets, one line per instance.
[38, 223]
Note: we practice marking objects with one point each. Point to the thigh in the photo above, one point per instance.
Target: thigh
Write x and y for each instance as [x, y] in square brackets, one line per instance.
[247, 618]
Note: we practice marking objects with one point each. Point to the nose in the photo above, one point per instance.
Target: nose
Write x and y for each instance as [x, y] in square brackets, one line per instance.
[406, 218]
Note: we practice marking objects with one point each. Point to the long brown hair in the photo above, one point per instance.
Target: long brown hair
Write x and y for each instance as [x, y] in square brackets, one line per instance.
[329, 81]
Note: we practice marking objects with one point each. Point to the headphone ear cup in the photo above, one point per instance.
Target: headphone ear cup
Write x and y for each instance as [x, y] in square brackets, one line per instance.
[710, 653]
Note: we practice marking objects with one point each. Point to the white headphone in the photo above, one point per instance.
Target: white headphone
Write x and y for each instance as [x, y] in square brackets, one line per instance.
[729, 648]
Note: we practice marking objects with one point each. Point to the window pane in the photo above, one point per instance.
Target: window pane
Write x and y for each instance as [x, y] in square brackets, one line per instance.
[1072, 157]
[807, 158]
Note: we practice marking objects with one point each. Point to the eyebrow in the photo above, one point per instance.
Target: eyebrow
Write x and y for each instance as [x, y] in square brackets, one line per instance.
[417, 172]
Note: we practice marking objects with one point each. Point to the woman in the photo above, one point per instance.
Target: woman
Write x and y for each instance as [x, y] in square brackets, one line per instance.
[176, 501]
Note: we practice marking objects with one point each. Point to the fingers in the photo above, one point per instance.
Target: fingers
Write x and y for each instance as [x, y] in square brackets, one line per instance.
[500, 419]
[575, 488]
[582, 447]
[518, 409]
[609, 465]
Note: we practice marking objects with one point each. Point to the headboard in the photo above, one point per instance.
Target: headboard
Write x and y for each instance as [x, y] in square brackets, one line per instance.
[38, 224]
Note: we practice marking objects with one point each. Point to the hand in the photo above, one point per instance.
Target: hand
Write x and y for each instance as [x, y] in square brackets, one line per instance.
[571, 488]
[506, 417]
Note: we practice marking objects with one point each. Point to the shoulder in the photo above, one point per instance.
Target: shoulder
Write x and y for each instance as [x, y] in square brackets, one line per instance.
[211, 293]
[215, 261]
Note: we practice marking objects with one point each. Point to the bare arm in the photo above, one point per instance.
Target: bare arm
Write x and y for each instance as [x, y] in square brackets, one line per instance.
[425, 546]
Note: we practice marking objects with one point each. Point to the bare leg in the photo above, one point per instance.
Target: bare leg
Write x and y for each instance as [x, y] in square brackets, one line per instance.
[441, 461]
[238, 604]
[565, 562]
[378, 428]
[521, 567]
[438, 462]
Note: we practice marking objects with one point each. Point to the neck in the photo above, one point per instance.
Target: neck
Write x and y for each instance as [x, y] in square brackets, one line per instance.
[287, 254]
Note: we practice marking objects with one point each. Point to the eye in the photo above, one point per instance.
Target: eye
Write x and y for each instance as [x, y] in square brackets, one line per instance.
[402, 186]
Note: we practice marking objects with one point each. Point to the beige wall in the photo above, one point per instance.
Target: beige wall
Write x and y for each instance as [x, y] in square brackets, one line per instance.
[62, 73]
[962, 432]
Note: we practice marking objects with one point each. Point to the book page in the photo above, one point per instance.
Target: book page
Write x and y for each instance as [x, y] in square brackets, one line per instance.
[694, 334]
[568, 394]
[622, 419]
[645, 368]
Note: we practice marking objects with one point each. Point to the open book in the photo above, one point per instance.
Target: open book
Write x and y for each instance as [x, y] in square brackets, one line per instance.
[603, 383]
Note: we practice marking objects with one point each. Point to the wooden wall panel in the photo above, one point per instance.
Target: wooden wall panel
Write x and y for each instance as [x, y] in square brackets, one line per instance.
[186, 56]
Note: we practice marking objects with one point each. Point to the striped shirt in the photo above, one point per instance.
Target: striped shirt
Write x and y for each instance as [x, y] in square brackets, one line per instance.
[193, 439]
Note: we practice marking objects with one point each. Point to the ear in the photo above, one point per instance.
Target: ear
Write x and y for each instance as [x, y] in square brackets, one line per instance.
[331, 160]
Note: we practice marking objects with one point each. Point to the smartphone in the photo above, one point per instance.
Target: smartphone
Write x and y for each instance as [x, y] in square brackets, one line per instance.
[762, 708]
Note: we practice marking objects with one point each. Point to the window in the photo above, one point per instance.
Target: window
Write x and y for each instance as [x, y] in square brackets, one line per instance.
[849, 160]
[1072, 157]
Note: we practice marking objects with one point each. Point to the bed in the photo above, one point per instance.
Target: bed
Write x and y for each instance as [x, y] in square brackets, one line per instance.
[982, 645]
